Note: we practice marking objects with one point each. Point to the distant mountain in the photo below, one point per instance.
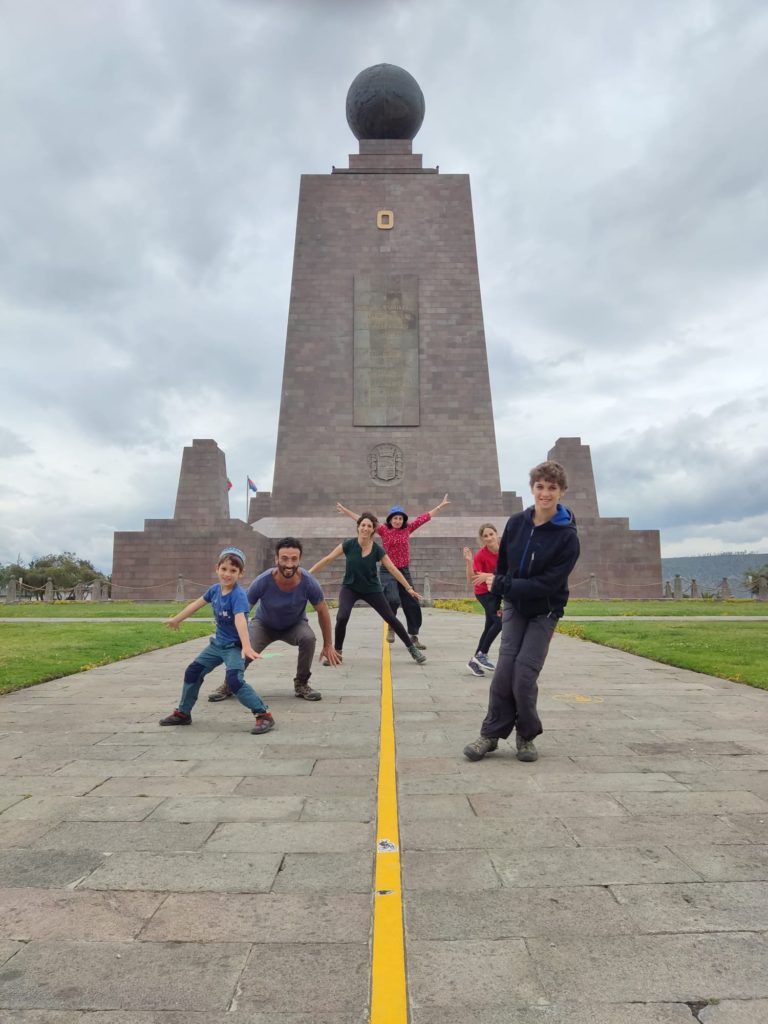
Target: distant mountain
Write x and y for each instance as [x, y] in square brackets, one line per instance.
[709, 570]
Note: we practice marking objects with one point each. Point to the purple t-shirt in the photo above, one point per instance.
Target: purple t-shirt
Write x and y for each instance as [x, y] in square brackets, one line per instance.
[225, 608]
[279, 609]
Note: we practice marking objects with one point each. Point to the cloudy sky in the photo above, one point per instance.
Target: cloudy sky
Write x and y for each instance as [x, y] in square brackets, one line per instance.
[149, 171]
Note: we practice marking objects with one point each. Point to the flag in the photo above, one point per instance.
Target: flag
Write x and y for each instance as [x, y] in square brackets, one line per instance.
[251, 485]
[229, 485]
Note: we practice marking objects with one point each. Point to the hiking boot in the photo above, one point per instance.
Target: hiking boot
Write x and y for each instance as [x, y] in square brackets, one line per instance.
[220, 693]
[475, 667]
[416, 654]
[390, 635]
[177, 718]
[483, 745]
[525, 749]
[305, 691]
[484, 660]
[417, 643]
[262, 722]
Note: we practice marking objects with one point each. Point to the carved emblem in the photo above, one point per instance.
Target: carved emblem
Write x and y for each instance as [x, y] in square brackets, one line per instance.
[385, 220]
[385, 462]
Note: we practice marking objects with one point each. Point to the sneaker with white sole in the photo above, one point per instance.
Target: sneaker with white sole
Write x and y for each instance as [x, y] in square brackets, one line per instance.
[262, 722]
[526, 751]
[475, 667]
[483, 745]
[484, 660]
[416, 654]
[390, 635]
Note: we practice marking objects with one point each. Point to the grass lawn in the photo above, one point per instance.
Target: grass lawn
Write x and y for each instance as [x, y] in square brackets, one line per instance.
[30, 654]
[583, 606]
[731, 650]
[98, 610]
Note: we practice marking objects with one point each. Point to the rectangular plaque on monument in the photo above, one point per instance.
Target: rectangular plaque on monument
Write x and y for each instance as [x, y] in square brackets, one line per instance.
[386, 350]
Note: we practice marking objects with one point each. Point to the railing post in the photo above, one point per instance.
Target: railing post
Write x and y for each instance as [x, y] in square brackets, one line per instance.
[96, 590]
[428, 603]
[762, 589]
[725, 590]
[11, 593]
[79, 587]
[48, 592]
[695, 589]
[594, 595]
[179, 588]
[678, 588]
[667, 589]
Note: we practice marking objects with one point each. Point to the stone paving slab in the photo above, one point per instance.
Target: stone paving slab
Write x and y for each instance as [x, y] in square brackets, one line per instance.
[35, 913]
[281, 918]
[105, 975]
[616, 879]
[186, 872]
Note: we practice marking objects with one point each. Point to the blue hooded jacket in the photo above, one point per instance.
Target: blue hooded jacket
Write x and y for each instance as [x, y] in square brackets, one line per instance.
[536, 561]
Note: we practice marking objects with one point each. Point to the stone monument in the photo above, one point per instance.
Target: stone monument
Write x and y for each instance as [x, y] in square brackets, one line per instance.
[385, 356]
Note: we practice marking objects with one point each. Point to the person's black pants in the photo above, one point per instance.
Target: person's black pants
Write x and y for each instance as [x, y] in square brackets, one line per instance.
[492, 628]
[514, 687]
[397, 595]
[377, 601]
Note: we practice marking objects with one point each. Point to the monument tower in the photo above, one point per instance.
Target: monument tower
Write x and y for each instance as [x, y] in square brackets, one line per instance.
[386, 397]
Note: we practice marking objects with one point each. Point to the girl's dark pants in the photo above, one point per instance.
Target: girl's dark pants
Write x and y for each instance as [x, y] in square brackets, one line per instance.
[397, 595]
[514, 688]
[377, 601]
[492, 628]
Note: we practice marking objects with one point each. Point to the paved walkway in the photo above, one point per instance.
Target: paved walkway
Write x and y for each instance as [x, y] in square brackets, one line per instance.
[205, 875]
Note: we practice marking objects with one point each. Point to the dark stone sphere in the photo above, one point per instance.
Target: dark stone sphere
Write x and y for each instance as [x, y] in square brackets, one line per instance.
[385, 102]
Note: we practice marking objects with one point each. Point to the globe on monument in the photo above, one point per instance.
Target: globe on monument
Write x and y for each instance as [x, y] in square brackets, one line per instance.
[385, 102]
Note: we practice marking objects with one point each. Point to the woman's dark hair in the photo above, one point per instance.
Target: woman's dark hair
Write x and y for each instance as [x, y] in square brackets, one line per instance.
[368, 515]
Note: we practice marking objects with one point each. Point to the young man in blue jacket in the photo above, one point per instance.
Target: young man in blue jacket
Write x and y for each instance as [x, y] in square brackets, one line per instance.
[537, 553]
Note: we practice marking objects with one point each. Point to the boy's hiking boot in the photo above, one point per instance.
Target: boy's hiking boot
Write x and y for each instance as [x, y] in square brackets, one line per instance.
[305, 691]
[390, 635]
[483, 745]
[220, 693]
[484, 660]
[417, 643]
[177, 718]
[525, 749]
[474, 667]
[416, 654]
[262, 722]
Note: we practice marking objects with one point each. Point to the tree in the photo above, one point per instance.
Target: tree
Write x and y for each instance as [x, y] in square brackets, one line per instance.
[755, 578]
[65, 570]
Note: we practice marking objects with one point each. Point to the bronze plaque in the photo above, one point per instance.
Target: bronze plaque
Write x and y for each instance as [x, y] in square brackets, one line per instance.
[386, 350]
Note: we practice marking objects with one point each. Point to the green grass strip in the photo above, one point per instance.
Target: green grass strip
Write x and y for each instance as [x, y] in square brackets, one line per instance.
[583, 606]
[98, 610]
[30, 655]
[735, 650]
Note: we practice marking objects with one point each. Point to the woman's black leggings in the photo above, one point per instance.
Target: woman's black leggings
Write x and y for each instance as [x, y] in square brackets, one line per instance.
[492, 628]
[377, 601]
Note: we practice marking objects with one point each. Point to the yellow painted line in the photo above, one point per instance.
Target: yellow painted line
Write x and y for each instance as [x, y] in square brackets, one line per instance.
[389, 997]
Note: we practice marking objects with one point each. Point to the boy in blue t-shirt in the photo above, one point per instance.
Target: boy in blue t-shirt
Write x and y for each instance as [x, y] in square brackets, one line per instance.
[230, 644]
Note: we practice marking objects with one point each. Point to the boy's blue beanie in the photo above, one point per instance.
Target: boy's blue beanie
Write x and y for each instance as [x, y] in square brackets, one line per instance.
[236, 552]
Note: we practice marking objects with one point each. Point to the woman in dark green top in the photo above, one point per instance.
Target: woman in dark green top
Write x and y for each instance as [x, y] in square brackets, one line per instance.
[361, 582]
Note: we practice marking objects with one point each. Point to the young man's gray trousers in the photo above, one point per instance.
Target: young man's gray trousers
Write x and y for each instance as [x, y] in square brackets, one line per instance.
[514, 688]
[301, 635]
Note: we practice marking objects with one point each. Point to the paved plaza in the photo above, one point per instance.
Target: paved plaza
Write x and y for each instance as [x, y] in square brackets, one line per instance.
[204, 875]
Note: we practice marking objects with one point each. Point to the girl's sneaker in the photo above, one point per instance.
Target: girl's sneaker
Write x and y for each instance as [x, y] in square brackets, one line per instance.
[416, 654]
[177, 718]
[262, 722]
[474, 667]
[484, 660]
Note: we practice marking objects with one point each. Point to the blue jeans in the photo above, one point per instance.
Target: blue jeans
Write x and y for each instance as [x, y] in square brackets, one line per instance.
[216, 654]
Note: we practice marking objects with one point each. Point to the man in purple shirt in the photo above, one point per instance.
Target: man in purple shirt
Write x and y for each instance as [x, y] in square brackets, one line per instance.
[279, 600]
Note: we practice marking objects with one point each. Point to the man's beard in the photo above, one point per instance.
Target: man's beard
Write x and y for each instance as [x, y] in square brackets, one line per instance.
[287, 571]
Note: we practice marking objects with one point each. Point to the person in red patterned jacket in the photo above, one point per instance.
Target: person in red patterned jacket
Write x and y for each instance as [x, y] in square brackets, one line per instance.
[395, 534]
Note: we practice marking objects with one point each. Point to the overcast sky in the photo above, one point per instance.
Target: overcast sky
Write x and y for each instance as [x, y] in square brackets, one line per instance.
[149, 172]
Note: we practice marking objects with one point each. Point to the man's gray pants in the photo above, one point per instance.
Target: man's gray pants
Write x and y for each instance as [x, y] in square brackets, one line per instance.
[301, 635]
[514, 687]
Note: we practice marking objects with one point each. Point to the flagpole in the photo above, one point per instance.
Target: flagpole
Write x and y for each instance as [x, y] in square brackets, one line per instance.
[247, 499]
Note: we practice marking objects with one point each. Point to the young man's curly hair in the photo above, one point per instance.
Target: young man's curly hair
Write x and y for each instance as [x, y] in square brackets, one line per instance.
[550, 471]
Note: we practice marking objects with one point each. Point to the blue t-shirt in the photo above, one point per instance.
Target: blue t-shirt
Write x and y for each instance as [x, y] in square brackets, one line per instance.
[279, 609]
[225, 608]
